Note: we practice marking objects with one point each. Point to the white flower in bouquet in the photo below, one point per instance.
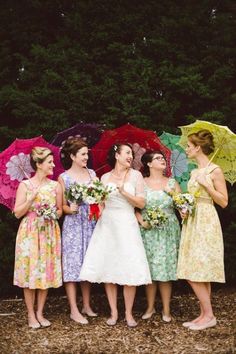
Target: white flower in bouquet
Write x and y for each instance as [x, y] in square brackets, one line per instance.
[74, 193]
[46, 211]
[96, 192]
[185, 202]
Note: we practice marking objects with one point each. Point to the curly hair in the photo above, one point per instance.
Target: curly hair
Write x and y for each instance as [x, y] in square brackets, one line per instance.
[204, 139]
[148, 157]
[39, 155]
[116, 148]
[70, 147]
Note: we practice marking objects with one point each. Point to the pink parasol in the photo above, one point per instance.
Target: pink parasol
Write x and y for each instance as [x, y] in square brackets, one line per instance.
[15, 166]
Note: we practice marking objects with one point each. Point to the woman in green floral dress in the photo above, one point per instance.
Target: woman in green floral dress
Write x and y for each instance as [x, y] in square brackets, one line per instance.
[161, 243]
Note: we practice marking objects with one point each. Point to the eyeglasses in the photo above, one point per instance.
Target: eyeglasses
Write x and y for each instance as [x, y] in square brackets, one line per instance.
[158, 158]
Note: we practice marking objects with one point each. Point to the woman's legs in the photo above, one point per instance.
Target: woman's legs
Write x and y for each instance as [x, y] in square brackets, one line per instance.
[41, 299]
[165, 292]
[29, 295]
[151, 290]
[71, 291]
[111, 291]
[203, 292]
[129, 295]
[208, 287]
[85, 289]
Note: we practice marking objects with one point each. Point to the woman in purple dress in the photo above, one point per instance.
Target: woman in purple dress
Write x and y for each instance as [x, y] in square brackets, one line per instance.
[77, 228]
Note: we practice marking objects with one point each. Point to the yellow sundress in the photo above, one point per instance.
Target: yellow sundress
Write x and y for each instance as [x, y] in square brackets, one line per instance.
[201, 252]
[38, 244]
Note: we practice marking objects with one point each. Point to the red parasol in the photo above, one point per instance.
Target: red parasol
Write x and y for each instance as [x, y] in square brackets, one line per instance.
[15, 166]
[140, 139]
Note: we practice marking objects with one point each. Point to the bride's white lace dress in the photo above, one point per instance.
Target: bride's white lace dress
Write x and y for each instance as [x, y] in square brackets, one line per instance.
[116, 253]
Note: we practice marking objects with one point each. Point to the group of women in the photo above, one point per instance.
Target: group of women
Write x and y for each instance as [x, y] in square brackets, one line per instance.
[120, 248]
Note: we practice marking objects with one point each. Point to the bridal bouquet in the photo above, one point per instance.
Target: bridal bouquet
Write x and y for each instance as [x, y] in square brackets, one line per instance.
[74, 193]
[185, 202]
[155, 216]
[94, 194]
[46, 211]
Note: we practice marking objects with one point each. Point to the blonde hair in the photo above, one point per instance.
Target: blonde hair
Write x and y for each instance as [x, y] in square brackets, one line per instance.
[39, 155]
[204, 139]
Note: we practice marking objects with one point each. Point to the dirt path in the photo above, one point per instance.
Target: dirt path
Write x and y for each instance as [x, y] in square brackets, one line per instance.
[152, 336]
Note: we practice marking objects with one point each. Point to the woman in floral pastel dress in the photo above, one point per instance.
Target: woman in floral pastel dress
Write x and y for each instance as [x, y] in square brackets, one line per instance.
[201, 255]
[38, 242]
[161, 244]
[77, 228]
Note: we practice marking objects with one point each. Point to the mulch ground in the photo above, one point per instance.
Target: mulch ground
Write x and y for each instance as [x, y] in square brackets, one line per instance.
[150, 336]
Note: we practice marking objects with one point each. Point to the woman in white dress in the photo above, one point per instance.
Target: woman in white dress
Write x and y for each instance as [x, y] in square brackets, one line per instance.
[116, 254]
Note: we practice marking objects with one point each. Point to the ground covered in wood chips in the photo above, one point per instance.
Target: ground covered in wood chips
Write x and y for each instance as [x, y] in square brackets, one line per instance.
[150, 336]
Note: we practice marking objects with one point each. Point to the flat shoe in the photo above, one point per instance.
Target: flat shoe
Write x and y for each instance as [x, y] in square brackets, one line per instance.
[148, 315]
[82, 321]
[131, 323]
[188, 324]
[199, 327]
[166, 318]
[45, 323]
[34, 325]
[111, 322]
[89, 313]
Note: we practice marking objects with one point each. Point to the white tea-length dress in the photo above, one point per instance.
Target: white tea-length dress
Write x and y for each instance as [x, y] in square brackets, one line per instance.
[116, 252]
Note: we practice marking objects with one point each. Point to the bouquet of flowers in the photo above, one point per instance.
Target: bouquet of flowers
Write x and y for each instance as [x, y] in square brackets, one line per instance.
[94, 194]
[46, 211]
[74, 193]
[185, 202]
[155, 216]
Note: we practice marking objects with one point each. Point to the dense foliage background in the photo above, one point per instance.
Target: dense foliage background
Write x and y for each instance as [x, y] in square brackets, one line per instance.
[156, 64]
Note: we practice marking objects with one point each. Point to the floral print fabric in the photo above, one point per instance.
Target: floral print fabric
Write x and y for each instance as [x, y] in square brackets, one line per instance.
[38, 245]
[76, 234]
[201, 255]
[161, 244]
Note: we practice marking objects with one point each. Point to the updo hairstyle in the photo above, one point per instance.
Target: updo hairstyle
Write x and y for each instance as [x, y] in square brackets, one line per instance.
[147, 158]
[204, 139]
[39, 155]
[70, 147]
[116, 148]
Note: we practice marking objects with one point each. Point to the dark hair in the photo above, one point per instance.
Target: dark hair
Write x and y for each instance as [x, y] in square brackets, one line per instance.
[116, 148]
[204, 139]
[39, 155]
[71, 146]
[148, 157]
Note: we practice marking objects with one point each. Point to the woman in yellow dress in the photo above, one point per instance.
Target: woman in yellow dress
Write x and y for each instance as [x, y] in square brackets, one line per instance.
[38, 242]
[201, 254]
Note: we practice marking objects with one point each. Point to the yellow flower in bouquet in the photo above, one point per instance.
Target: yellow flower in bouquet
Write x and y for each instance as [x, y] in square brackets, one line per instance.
[184, 202]
[155, 216]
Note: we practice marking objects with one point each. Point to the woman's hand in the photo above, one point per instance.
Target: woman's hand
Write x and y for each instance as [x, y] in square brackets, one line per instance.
[183, 214]
[120, 188]
[202, 180]
[74, 208]
[145, 225]
[34, 192]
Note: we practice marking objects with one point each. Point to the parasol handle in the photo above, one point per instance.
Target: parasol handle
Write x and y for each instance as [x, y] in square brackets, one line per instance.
[26, 175]
[215, 153]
